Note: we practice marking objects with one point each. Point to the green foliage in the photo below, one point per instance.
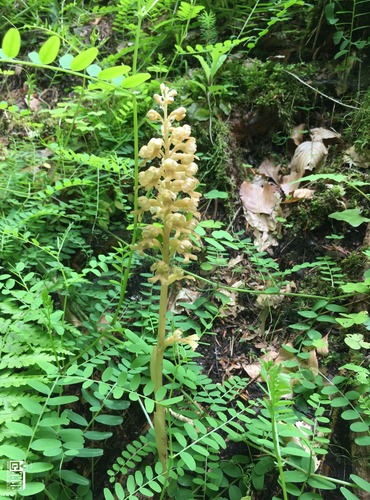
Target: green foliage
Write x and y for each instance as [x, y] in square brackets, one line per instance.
[351, 25]
[69, 64]
[195, 441]
[208, 27]
[78, 318]
[360, 127]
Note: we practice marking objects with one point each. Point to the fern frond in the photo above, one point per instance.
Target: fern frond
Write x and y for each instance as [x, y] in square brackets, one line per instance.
[23, 360]
[10, 407]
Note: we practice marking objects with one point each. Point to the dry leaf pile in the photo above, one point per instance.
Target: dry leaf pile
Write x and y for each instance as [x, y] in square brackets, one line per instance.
[263, 196]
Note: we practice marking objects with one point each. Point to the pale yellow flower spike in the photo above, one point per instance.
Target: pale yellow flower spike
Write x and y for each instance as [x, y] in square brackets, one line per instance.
[174, 208]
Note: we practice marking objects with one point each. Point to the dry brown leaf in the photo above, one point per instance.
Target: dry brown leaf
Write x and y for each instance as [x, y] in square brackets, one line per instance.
[303, 194]
[308, 156]
[324, 351]
[249, 335]
[352, 157]
[287, 182]
[253, 370]
[261, 202]
[264, 228]
[270, 355]
[284, 355]
[297, 134]
[306, 430]
[267, 300]
[259, 199]
[232, 308]
[185, 295]
[312, 363]
[269, 169]
[322, 134]
[235, 261]
[34, 103]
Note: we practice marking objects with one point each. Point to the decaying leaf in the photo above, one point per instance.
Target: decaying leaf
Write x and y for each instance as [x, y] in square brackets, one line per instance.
[264, 229]
[324, 134]
[311, 363]
[262, 199]
[297, 134]
[232, 307]
[267, 300]
[261, 202]
[253, 370]
[309, 155]
[306, 430]
[259, 197]
[353, 158]
[185, 295]
[270, 169]
[323, 350]
[284, 355]
[303, 194]
[235, 261]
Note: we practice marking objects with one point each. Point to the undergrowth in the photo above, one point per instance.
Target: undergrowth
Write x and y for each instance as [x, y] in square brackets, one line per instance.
[79, 318]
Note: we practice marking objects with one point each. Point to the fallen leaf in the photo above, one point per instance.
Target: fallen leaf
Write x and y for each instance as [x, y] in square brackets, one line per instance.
[235, 261]
[264, 228]
[34, 103]
[289, 183]
[259, 199]
[309, 155]
[324, 350]
[311, 363]
[269, 169]
[284, 355]
[322, 134]
[297, 134]
[303, 194]
[253, 370]
[249, 335]
[185, 295]
[353, 158]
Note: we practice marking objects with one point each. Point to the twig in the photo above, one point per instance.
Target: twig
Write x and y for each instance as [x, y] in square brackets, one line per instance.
[321, 93]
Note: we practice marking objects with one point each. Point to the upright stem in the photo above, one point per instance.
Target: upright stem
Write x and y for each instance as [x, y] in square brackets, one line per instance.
[157, 361]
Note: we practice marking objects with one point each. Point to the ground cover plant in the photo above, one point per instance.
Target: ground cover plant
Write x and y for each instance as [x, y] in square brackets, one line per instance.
[185, 280]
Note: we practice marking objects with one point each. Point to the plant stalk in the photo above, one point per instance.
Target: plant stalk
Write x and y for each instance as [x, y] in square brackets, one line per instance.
[157, 362]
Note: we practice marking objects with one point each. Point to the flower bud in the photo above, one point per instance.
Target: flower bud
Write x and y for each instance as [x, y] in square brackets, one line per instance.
[153, 116]
[180, 134]
[178, 115]
[152, 150]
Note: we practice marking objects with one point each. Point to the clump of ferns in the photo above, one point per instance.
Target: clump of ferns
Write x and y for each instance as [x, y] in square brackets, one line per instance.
[173, 209]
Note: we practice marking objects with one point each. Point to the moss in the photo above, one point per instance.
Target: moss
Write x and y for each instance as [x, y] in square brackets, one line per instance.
[358, 130]
[354, 265]
[313, 214]
[216, 162]
[269, 86]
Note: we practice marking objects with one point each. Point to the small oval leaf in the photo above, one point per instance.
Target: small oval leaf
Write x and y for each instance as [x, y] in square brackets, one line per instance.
[84, 59]
[11, 43]
[114, 72]
[65, 61]
[93, 70]
[135, 80]
[49, 50]
[31, 489]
